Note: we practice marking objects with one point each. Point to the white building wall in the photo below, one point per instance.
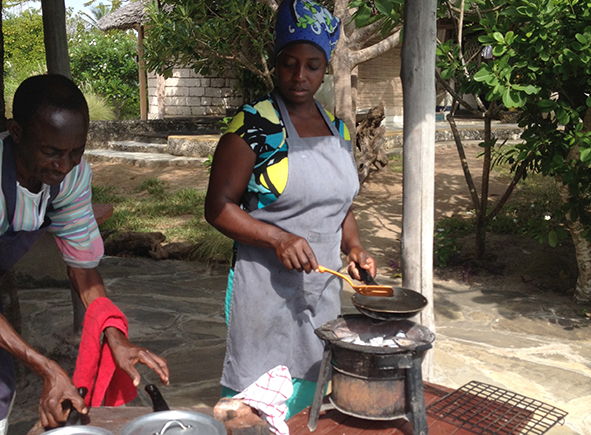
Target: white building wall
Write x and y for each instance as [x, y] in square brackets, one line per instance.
[187, 94]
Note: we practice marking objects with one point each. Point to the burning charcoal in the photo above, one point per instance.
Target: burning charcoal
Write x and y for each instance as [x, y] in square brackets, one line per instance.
[342, 333]
[404, 342]
[376, 341]
[389, 342]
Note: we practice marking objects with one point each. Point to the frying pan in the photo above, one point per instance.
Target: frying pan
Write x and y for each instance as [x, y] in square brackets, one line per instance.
[403, 304]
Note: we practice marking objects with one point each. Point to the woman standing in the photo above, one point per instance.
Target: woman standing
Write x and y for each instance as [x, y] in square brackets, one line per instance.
[282, 183]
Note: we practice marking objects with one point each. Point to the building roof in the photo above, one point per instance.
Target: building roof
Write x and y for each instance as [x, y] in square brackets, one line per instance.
[130, 16]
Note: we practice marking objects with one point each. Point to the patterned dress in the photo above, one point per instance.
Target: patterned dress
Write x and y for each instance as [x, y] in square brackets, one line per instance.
[260, 126]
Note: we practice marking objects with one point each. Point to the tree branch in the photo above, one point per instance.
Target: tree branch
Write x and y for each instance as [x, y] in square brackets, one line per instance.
[359, 36]
[377, 49]
[518, 176]
[464, 161]
[456, 96]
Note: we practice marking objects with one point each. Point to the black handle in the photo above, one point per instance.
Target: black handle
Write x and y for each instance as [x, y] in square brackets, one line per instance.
[158, 402]
[365, 276]
[74, 418]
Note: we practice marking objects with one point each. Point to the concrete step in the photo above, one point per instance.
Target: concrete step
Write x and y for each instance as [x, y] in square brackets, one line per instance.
[141, 159]
[195, 149]
[137, 147]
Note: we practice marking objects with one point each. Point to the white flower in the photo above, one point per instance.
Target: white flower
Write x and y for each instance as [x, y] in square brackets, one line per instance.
[547, 216]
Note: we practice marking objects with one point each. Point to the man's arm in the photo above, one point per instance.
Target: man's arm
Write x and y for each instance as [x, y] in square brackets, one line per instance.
[57, 385]
[89, 285]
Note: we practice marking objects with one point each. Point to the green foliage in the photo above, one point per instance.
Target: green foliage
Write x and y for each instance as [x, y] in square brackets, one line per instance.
[534, 211]
[153, 186]
[98, 108]
[209, 36]
[105, 195]
[446, 248]
[178, 215]
[107, 62]
[387, 12]
[24, 51]
[541, 65]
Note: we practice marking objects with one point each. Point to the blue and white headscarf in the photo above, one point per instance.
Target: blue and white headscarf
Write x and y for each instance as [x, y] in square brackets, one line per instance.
[306, 21]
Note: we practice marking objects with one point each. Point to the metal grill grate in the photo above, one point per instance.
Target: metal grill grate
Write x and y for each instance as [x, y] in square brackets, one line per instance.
[485, 409]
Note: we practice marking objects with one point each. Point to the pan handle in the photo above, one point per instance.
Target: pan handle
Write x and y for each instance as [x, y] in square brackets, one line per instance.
[158, 402]
[365, 275]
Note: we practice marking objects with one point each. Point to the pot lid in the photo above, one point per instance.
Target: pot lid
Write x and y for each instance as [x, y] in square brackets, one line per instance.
[174, 423]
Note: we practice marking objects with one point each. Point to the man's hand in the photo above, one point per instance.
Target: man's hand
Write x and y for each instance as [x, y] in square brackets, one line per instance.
[58, 388]
[126, 355]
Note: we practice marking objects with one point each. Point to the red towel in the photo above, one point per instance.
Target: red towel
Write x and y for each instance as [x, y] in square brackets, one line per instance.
[95, 367]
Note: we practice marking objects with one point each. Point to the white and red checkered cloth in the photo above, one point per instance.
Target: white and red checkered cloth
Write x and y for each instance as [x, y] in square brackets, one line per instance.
[268, 395]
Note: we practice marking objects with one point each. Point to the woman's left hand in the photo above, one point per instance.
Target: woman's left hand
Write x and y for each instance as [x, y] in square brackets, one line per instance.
[359, 255]
[126, 355]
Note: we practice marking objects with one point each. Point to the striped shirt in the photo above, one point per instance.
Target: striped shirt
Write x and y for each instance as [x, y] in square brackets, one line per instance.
[72, 219]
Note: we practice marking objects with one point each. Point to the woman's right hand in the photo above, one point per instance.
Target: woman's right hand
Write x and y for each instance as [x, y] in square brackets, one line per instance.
[295, 253]
[57, 388]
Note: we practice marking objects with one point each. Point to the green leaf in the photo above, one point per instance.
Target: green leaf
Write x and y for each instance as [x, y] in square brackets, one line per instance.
[483, 74]
[585, 154]
[499, 50]
[552, 239]
[583, 39]
[363, 15]
[498, 36]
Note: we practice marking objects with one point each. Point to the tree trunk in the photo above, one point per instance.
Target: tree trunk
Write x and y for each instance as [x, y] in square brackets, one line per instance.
[55, 38]
[582, 250]
[371, 136]
[482, 220]
[418, 84]
[342, 68]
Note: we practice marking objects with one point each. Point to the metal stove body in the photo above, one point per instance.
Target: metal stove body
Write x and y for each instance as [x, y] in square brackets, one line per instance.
[370, 382]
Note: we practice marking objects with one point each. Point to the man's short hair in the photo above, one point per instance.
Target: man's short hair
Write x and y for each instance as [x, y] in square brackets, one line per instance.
[50, 90]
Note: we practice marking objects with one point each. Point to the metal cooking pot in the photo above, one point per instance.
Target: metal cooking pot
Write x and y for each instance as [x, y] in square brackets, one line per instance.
[79, 430]
[174, 423]
[163, 421]
[403, 304]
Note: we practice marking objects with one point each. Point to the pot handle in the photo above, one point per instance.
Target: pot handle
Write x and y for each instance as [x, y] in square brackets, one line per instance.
[158, 402]
[75, 418]
[170, 423]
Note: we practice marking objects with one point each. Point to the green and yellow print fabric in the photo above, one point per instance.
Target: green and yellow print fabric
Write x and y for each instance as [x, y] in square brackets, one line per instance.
[262, 129]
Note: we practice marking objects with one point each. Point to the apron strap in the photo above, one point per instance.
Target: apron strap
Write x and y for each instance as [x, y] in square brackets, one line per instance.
[289, 127]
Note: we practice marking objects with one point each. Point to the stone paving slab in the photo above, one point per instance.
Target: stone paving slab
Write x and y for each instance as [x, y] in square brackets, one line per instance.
[531, 344]
[142, 160]
[137, 147]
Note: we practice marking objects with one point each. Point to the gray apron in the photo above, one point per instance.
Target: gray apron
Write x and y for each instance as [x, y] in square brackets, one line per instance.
[274, 311]
[13, 245]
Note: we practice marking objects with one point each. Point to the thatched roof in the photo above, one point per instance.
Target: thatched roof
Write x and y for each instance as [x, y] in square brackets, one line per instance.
[130, 16]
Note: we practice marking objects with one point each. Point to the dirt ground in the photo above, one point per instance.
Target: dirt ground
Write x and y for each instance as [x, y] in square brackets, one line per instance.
[378, 209]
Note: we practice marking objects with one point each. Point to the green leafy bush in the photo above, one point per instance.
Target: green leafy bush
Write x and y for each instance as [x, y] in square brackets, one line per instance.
[108, 63]
[24, 51]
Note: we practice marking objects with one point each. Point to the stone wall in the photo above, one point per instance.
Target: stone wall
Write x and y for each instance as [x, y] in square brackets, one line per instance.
[379, 81]
[187, 93]
[156, 130]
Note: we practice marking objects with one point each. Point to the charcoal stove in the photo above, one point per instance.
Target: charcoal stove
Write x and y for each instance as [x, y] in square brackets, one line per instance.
[373, 381]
